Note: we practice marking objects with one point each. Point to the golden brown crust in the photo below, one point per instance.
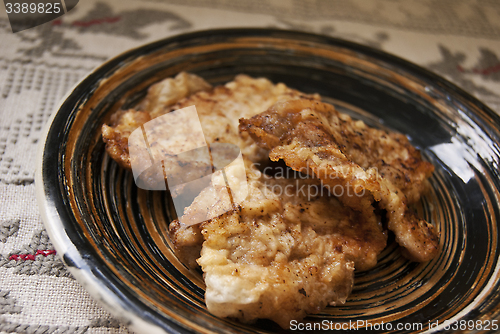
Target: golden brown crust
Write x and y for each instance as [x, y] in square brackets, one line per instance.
[116, 136]
[311, 137]
[288, 250]
[260, 260]
[160, 96]
[187, 240]
[218, 109]
[171, 90]
[390, 153]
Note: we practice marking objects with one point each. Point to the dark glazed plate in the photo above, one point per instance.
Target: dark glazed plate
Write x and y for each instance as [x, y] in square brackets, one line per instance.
[113, 236]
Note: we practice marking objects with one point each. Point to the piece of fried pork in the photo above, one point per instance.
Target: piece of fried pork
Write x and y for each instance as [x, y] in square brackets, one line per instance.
[359, 164]
[219, 109]
[288, 250]
[160, 96]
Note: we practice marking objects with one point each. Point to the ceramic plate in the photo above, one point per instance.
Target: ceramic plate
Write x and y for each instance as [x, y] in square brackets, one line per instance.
[113, 236]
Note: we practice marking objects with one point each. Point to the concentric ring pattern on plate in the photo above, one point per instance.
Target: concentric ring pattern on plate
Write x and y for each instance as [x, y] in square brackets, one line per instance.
[114, 236]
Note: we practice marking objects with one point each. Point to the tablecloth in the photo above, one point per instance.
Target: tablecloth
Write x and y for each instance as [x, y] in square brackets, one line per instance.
[458, 39]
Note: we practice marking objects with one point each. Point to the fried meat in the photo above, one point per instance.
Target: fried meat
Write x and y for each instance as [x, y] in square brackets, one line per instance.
[288, 250]
[219, 110]
[313, 138]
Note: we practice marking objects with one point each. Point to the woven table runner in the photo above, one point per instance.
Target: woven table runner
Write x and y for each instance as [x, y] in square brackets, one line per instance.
[457, 39]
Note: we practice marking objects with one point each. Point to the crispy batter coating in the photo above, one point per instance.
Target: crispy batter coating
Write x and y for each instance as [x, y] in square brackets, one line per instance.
[357, 234]
[171, 90]
[116, 136]
[218, 109]
[288, 250]
[160, 96]
[312, 137]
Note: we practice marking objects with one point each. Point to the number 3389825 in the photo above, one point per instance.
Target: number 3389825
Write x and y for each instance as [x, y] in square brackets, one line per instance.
[25, 8]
